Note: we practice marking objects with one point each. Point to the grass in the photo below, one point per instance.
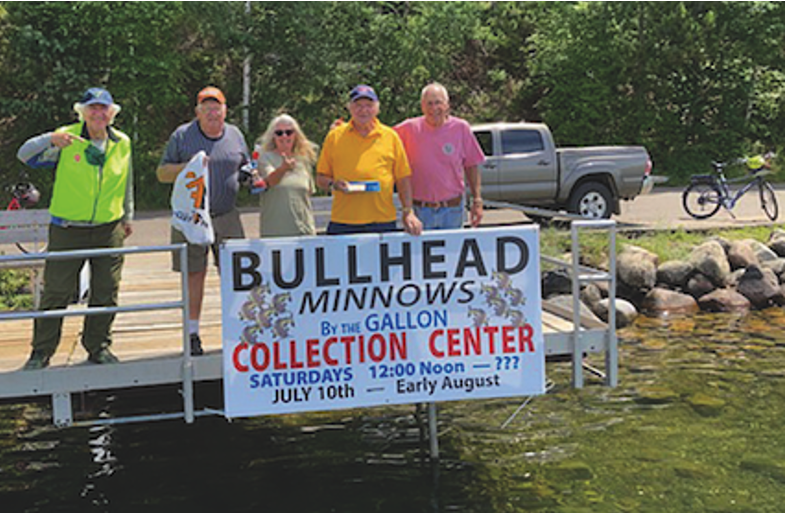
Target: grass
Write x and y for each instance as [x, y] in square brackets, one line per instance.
[668, 245]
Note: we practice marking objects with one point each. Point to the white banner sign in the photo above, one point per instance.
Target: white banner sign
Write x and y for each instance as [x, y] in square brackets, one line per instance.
[321, 323]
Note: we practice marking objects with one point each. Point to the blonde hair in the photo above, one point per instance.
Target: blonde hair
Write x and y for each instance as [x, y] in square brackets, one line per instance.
[80, 108]
[302, 147]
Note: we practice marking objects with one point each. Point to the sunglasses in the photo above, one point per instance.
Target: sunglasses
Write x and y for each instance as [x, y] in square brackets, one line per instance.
[286, 132]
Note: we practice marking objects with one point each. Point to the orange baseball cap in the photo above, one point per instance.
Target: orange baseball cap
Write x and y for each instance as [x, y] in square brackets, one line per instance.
[211, 93]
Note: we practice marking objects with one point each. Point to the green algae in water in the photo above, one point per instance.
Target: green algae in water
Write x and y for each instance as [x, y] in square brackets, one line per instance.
[696, 424]
[702, 422]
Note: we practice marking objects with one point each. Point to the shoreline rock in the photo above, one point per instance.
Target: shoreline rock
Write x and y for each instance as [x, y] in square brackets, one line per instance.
[718, 276]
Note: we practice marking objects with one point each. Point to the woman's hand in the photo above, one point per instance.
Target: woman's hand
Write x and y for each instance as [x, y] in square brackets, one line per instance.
[287, 163]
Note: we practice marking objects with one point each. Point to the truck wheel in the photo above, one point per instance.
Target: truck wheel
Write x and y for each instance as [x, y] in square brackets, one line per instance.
[592, 200]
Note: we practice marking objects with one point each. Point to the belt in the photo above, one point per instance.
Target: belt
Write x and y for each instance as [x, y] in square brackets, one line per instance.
[65, 223]
[453, 202]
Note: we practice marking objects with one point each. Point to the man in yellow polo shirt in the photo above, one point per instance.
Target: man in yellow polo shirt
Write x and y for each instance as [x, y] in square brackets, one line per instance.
[361, 161]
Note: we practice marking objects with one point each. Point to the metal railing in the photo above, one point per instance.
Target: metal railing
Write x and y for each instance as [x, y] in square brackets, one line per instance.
[580, 275]
[62, 399]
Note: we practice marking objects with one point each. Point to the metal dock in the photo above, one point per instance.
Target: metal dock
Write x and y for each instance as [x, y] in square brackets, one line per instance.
[149, 338]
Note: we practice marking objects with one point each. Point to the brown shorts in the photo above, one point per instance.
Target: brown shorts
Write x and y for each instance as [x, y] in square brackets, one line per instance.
[225, 226]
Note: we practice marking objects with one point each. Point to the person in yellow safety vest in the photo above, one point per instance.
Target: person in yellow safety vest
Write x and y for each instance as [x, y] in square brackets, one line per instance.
[91, 207]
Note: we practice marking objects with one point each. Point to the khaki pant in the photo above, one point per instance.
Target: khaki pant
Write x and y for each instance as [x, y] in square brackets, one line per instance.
[61, 283]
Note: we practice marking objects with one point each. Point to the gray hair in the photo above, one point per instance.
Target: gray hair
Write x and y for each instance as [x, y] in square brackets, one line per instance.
[80, 108]
[439, 87]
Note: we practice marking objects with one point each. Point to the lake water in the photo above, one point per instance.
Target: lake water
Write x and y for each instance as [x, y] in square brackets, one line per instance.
[696, 424]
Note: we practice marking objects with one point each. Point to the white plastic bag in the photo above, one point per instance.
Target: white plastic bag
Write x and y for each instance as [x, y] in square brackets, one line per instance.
[191, 202]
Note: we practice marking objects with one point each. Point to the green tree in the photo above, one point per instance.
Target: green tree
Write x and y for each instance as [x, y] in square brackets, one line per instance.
[680, 78]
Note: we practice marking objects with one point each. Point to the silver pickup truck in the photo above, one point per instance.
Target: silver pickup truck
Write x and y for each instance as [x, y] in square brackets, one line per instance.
[524, 167]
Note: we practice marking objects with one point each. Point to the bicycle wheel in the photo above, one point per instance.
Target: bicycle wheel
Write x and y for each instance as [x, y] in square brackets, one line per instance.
[769, 203]
[701, 200]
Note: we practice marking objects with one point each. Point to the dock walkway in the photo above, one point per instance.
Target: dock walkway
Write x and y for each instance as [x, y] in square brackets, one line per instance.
[149, 344]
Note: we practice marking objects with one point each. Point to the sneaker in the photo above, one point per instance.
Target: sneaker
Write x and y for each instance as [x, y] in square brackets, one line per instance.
[36, 361]
[103, 356]
[196, 345]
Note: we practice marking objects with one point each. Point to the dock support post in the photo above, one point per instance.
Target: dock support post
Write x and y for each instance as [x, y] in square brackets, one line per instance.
[578, 354]
[611, 342]
[188, 364]
[432, 432]
[61, 409]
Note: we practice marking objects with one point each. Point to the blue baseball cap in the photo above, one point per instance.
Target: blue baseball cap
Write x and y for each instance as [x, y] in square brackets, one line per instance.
[96, 95]
[363, 91]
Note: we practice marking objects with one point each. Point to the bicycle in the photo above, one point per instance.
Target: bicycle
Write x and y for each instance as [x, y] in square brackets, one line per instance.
[24, 195]
[706, 194]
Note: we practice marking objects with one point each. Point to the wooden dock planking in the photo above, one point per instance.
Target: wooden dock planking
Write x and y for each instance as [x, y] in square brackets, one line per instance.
[148, 278]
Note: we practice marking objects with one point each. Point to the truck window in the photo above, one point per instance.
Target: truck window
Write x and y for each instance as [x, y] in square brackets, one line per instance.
[485, 141]
[521, 141]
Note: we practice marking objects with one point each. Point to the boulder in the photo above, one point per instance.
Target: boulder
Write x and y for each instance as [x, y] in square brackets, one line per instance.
[661, 302]
[776, 242]
[555, 283]
[710, 260]
[699, 285]
[637, 268]
[734, 278]
[635, 296]
[760, 286]
[674, 274]
[762, 252]
[566, 302]
[740, 255]
[724, 300]
[591, 296]
[725, 243]
[625, 311]
[706, 405]
[776, 266]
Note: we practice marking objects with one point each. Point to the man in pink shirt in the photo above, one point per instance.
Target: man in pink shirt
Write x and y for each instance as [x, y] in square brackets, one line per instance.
[442, 152]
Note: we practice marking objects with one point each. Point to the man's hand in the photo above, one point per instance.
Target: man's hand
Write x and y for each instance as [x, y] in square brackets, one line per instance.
[63, 139]
[340, 185]
[476, 213]
[412, 224]
[127, 228]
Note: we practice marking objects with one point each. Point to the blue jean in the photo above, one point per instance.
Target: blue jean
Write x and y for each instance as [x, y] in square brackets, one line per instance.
[345, 229]
[442, 218]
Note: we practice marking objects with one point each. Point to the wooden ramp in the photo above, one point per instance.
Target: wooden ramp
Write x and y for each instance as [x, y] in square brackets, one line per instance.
[148, 278]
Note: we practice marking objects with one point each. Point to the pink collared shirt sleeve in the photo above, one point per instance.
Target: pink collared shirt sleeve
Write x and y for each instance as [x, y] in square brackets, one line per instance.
[473, 154]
